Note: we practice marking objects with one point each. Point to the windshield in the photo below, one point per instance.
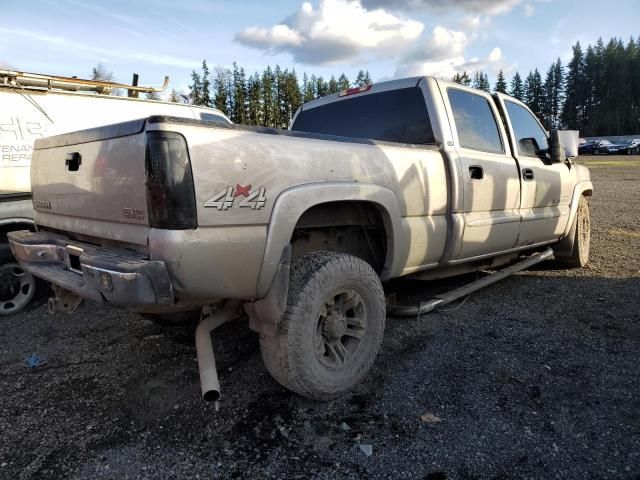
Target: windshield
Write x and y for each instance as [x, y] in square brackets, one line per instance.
[624, 142]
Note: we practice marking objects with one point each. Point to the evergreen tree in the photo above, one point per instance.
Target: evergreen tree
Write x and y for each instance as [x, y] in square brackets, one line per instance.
[633, 58]
[462, 78]
[222, 91]
[553, 94]
[310, 90]
[501, 83]
[152, 96]
[322, 87]
[254, 104]
[307, 90]
[333, 85]
[268, 98]
[534, 93]
[292, 98]
[343, 82]
[575, 91]
[517, 87]
[278, 100]
[195, 89]
[206, 85]
[239, 113]
[362, 79]
[481, 81]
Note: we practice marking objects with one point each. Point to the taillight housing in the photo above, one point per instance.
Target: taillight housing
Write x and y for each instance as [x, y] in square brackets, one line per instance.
[171, 198]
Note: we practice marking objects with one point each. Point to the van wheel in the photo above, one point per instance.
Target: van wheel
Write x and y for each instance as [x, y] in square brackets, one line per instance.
[332, 328]
[579, 255]
[19, 290]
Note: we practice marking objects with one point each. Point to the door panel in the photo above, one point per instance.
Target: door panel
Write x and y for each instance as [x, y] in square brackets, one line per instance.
[491, 185]
[546, 187]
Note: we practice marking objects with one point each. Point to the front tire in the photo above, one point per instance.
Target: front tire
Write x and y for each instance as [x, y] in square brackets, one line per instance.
[579, 255]
[332, 328]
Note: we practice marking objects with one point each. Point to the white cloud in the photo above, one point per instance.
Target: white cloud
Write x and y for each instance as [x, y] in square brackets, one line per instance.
[487, 7]
[443, 43]
[278, 36]
[446, 68]
[471, 22]
[495, 55]
[335, 31]
[529, 10]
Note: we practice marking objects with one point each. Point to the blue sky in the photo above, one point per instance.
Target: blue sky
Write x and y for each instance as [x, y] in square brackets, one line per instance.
[390, 38]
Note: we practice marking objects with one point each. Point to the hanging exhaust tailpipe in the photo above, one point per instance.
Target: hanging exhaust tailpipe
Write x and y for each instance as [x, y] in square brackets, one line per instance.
[204, 348]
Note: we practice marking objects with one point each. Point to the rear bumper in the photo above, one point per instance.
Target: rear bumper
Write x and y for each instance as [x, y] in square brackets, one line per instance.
[103, 274]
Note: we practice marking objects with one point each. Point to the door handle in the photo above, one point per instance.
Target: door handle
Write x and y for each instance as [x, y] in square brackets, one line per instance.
[476, 172]
[73, 161]
[527, 174]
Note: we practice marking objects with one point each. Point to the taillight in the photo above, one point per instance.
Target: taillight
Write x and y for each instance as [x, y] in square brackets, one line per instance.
[171, 199]
[354, 90]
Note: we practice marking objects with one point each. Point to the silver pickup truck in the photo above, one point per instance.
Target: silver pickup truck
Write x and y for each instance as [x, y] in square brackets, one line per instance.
[409, 177]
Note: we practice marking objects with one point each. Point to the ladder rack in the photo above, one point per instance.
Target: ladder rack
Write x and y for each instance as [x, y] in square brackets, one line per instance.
[11, 78]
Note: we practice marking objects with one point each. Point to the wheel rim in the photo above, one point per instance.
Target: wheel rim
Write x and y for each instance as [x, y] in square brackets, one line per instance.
[17, 288]
[340, 328]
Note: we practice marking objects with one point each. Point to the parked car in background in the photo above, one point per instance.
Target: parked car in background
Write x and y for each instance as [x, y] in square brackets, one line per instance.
[587, 147]
[601, 147]
[623, 147]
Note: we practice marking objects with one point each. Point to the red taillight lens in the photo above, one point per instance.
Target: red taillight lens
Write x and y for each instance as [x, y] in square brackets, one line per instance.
[171, 199]
[354, 90]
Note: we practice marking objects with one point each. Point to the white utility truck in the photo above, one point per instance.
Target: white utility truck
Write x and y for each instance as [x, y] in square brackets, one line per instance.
[33, 106]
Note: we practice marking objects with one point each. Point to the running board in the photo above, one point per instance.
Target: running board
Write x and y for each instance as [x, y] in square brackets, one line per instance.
[448, 297]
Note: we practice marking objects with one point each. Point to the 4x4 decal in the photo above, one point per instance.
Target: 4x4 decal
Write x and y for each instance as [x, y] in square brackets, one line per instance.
[225, 199]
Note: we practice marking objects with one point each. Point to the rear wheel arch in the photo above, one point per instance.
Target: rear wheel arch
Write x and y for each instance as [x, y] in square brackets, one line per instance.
[355, 227]
[292, 205]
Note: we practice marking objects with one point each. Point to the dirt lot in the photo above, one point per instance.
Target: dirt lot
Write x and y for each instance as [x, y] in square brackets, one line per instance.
[535, 377]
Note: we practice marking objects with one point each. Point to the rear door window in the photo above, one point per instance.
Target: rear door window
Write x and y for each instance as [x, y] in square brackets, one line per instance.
[475, 123]
[392, 116]
[526, 126]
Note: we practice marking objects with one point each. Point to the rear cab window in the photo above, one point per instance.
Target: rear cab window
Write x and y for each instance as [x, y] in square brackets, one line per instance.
[475, 122]
[398, 116]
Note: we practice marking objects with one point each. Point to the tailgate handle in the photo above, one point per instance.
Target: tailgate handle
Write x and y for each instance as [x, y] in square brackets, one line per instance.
[73, 160]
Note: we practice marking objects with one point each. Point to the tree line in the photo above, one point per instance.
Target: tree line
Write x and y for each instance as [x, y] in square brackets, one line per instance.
[269, 99]
[598, 92]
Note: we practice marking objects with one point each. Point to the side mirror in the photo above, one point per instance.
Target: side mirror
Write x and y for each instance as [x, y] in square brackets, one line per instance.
[556, 150]
[529, 146]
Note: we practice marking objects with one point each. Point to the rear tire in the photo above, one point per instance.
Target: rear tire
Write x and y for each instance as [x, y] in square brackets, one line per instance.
[19, 290]
[579, 255]
[332, 328]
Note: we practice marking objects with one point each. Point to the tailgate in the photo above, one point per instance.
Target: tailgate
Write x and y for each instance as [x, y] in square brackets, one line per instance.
[93, 182]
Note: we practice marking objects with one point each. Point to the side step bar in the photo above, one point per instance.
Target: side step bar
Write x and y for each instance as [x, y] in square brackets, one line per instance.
[448, 297]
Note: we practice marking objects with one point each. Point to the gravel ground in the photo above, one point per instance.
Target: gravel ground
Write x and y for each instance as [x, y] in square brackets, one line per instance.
[535, 377]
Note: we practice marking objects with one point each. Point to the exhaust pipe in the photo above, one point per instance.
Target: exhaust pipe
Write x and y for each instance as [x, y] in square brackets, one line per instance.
[204, 349]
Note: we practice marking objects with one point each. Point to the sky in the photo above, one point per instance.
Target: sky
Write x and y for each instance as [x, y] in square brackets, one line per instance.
[389, 38]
